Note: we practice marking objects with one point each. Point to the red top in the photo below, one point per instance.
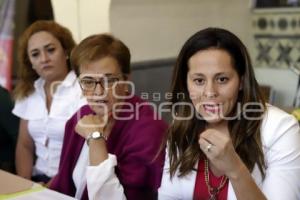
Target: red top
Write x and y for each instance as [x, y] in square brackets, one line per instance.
[201, 190]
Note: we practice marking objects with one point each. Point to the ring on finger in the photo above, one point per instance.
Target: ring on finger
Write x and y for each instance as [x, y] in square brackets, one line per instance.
[208, 147]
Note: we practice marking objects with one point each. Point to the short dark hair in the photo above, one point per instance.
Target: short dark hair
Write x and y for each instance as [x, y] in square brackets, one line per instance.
[98, 46]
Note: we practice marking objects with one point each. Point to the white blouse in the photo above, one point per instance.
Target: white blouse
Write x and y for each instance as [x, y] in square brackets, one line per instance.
[101, 180]
[281, 145]
[47, 129]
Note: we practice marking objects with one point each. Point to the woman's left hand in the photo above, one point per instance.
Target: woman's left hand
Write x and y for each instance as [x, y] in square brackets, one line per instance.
[217, 146]
[90, 123]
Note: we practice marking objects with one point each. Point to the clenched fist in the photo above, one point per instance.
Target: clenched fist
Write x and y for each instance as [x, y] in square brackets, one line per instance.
[90, 123]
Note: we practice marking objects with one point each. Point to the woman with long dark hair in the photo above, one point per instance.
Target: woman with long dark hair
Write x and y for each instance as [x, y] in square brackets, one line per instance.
[226, 142]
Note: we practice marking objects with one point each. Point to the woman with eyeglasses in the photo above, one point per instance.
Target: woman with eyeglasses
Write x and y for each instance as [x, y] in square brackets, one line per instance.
[110, 146]
[47, 94]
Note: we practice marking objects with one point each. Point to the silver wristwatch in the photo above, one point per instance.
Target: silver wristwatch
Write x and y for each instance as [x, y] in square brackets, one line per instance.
[95, 136]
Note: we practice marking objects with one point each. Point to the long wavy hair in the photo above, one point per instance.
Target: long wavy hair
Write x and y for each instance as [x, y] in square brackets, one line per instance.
[183, 148]
[26, 74]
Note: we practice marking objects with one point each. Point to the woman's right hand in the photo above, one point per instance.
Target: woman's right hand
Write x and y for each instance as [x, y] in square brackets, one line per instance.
[25, 151]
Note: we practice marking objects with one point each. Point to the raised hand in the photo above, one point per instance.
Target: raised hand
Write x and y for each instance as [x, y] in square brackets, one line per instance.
[90, 123]
[216, 144]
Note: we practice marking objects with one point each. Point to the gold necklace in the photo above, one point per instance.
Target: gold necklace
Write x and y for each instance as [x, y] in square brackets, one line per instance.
[213, 191]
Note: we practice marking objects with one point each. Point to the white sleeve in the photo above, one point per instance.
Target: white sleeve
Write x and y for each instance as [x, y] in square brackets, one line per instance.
[20, 108]
[282, 156]
[29, 108]
[102, 182]
[168, 189]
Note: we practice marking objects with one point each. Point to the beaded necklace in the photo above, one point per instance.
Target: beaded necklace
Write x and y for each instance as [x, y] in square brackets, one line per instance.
[213, 191]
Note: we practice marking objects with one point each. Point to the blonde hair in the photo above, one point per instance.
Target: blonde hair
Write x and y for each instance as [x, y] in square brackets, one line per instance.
[26, 75]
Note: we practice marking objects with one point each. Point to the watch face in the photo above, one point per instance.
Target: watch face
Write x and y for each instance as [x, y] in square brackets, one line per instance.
[95, 135]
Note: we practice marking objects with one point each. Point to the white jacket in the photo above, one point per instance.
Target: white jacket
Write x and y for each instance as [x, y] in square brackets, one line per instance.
[281, 145]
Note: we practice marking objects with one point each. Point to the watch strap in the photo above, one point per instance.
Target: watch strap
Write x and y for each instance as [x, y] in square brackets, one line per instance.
[99, 136]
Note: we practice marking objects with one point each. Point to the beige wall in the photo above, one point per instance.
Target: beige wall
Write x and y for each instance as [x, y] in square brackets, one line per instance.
[158, 28]
[152, 29]
[83, 17]
[155, 29]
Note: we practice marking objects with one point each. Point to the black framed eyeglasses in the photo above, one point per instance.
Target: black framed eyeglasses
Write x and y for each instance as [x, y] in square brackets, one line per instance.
[106, 82]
